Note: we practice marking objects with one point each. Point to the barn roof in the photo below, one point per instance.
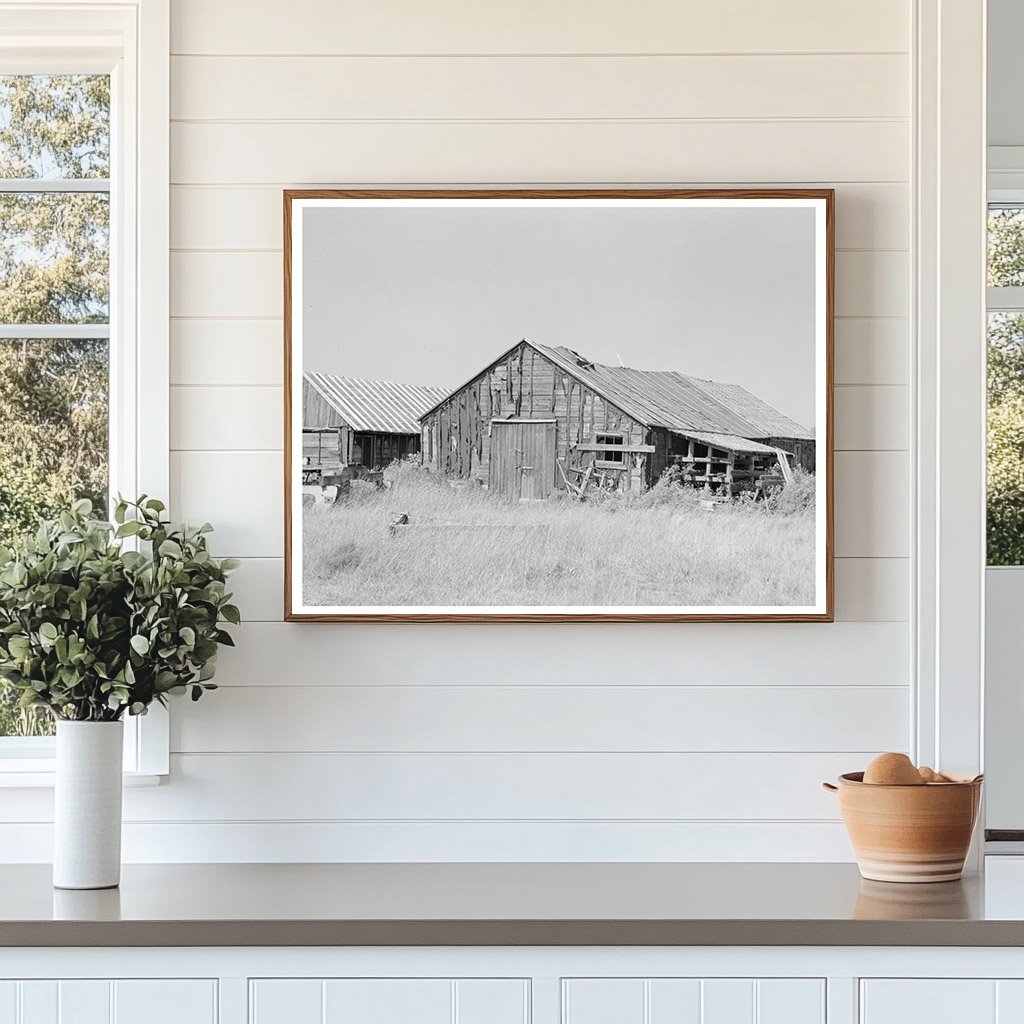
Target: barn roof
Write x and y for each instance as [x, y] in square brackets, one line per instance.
[377, 406]
[767, 420]
[732, 443]
[665, 398]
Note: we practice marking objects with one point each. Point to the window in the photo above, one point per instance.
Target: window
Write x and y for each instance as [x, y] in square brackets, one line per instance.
[1005, 477]
[54, 308]
[609, 456]
[83, 263]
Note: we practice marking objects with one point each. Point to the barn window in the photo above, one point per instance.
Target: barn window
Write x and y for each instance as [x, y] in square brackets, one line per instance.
[613, 453]
[83, 185]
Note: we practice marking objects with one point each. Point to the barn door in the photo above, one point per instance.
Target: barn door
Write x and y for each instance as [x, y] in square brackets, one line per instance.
[522, 463]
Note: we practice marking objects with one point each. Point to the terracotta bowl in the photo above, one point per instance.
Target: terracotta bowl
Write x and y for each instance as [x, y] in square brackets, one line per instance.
[909, 833]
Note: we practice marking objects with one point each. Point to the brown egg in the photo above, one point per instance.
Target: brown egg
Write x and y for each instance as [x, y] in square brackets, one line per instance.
[892, 770]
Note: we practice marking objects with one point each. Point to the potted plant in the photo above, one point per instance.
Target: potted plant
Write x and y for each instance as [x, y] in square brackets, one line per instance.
[99, 620]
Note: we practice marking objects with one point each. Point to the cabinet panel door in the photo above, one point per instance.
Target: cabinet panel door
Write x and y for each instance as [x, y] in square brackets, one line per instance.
[101, 1001]
[490, 1001]
[84, 1002]
[727, 1001]
[39, 1003]
[693, 1001]
[8, 1002]
[931, 1001]
[286, 1001]
[165, 1002]
[675, 1001]
[1010, 1002]
[603, 1001]
[389, 1001]
[790, 1001]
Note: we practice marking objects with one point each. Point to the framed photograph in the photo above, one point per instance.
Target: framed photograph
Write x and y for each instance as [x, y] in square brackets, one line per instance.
[558, 405]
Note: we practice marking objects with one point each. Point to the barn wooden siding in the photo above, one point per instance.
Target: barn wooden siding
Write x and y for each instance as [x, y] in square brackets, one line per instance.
[524, 383]
[545, 742]
[802, 450]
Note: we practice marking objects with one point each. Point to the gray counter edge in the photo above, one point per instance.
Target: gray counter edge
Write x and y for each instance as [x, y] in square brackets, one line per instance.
[249, 933]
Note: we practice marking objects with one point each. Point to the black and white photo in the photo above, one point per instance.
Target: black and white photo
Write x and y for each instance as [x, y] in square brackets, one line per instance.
[518, 405]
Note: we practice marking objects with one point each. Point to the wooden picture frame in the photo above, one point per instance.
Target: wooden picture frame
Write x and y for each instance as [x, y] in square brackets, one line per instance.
[358, 447]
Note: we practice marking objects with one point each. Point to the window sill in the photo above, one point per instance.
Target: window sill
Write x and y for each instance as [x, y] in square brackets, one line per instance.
[43, 778]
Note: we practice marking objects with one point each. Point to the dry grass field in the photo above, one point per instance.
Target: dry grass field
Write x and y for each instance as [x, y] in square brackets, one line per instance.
[464, 546]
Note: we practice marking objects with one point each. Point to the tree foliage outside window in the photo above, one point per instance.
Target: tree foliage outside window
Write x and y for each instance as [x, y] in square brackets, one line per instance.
[1005, 484]
[54, 271]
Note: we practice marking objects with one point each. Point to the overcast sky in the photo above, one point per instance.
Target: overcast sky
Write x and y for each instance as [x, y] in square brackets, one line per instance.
[432, 296]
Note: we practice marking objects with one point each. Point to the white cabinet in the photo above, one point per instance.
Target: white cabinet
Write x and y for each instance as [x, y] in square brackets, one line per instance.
[389, 1001]
[142, 1001]
[942, 1001]
[693, 1001]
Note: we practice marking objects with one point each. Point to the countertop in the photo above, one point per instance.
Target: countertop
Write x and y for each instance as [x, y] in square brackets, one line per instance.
[492, 904]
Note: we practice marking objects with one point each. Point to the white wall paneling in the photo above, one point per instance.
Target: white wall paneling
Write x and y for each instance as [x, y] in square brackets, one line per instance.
[846, 654]
[219, 418]
[238, 353]
[872, 495]
[280, 88]
[545, 717]
[872, 351]
[668, 741]
[462, 26]
[239, 492]
[488, 787]
[875, 418]
[228, 842]
[869, 215]
[731, 152]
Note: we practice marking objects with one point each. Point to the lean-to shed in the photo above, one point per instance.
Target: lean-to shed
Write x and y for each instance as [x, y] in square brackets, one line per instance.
[346, 421]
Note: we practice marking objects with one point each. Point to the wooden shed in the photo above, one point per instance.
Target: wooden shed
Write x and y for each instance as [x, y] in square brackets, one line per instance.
[539, 418]
[352, 422]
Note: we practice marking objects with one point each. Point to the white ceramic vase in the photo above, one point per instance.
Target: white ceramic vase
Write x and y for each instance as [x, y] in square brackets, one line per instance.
[87, 808]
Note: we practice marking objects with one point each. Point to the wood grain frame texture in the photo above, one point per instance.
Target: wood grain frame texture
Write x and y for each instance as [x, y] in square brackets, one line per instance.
[290, 195]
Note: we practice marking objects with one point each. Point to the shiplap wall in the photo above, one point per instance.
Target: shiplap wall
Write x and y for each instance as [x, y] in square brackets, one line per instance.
[682, 741]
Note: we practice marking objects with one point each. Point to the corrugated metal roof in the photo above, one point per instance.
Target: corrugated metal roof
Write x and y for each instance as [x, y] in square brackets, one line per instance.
[665, 398]
[379, 406]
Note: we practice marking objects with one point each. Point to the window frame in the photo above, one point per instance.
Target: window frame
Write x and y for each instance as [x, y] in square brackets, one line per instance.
[1002, 713]
[601, 458]
[1001, 299]
[1004, 298]
[130, 41]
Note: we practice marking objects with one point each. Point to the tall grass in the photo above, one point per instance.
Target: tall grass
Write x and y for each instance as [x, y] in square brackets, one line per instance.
[465, 546]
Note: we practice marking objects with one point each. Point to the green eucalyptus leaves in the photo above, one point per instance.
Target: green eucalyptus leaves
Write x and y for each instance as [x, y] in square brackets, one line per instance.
[92, 630]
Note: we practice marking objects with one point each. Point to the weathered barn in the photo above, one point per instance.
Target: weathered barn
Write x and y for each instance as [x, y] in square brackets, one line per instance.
[540, 418]
[350, 422]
